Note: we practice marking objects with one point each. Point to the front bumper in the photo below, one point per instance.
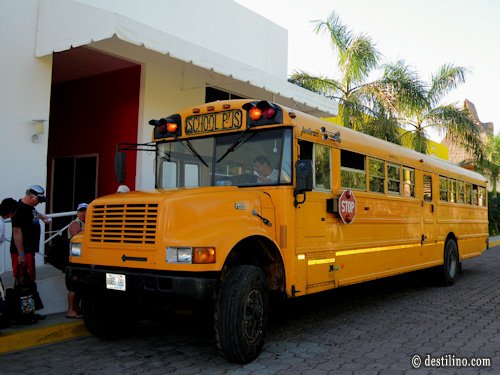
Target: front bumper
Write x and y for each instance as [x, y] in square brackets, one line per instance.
[165, 287]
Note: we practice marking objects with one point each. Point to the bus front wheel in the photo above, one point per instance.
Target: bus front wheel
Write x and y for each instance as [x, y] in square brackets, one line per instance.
[451, 263]
[108, 317]
[241, 314]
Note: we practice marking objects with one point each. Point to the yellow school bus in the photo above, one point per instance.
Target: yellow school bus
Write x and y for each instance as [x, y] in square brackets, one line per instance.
[255, 202]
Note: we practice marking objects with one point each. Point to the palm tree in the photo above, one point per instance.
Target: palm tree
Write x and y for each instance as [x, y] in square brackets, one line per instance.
[357, 58]
[455, 122]
[490, 164]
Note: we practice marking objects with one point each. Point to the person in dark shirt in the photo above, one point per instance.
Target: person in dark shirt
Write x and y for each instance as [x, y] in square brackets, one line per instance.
[8, 209]
[26, 231]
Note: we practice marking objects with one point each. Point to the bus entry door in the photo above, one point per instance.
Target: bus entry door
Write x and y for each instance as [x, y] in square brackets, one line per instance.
[314, 225]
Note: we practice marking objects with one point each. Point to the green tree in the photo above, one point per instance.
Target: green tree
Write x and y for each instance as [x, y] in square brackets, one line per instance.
[490, 163]
[455, 122]
[492, 155]
[364, 105]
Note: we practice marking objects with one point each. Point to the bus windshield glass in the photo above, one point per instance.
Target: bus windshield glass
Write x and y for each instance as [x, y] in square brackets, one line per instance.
[248, 158]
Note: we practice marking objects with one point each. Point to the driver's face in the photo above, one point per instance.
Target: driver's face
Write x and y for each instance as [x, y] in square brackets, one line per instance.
[259, 168]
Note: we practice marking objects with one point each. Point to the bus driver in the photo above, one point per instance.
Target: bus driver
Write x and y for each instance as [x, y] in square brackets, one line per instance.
[266, 173]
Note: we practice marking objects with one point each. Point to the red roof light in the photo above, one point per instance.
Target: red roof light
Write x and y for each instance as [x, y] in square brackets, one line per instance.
[171, 127]
[255, 113]
[269, 112]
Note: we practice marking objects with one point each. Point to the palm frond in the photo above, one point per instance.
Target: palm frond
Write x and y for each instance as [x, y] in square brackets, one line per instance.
[382, 126]
[448, 77]
[458, 125]
[320, 84]
[403, 87]
[360, 59]
[340, 36]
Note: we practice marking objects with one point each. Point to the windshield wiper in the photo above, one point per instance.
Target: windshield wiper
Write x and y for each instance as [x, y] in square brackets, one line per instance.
[194, 152]
[237, 143]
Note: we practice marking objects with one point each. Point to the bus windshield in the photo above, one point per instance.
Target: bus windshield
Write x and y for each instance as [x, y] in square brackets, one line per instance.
[247, 158]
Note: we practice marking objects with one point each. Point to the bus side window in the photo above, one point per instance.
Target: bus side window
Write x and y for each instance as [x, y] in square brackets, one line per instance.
[443, 189]
[427, 188]
[474, 195]
[468, 193]
[352, 170]
[393, 178]
[460, 192]
[408, 182]
[452, 184]
[321, 157]
[482, 197]
[322, 167]
[377, 175]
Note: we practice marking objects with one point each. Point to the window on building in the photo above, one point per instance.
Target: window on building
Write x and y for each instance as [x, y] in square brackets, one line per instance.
[393, 178]
[212, 94]
[427, 188]
[377, 175]
[353, 170]
[408, 182]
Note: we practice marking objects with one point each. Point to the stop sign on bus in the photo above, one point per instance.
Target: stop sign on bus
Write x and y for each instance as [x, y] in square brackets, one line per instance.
[347, 206]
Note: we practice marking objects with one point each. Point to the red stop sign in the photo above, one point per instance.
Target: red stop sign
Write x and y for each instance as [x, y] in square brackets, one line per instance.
[347, 206]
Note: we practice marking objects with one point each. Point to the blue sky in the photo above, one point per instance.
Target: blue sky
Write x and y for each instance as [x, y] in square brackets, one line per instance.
[425, 33]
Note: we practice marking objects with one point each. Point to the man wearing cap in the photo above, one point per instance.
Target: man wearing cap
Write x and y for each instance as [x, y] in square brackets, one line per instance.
[26, 231]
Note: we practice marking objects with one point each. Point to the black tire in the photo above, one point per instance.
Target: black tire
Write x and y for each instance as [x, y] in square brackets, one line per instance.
[108, 317]
[451, 263]
[241, 314]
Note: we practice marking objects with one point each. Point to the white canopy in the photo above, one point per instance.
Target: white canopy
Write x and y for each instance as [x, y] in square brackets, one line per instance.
[64, 24]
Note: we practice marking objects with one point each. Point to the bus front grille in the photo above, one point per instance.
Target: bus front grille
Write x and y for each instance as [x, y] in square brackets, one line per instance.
[124, 223]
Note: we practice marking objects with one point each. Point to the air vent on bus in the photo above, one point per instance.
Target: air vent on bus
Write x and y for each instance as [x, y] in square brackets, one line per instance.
[124, 223]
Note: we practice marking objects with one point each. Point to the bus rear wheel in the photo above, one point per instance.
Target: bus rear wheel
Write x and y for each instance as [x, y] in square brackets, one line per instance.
[241, 314]
[451, 263]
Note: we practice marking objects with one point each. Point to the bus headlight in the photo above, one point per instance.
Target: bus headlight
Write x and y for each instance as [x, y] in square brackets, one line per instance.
[190, 255]
[75, 249]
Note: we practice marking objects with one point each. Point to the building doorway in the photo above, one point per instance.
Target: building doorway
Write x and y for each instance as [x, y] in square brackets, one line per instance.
[74, 181]
[94, 106]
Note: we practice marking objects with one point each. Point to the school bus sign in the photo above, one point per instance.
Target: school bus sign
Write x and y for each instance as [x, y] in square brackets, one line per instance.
[347, 207]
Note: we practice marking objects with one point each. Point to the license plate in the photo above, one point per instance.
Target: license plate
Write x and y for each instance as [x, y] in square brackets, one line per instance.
[115, 281]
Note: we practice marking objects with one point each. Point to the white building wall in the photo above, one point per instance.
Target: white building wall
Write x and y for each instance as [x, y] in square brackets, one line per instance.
[221, 26]
[24, 96]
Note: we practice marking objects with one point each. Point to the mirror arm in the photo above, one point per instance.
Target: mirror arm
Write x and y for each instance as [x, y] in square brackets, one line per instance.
[295, 201]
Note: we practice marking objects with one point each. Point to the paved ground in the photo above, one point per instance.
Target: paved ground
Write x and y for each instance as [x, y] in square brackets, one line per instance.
[372, 328]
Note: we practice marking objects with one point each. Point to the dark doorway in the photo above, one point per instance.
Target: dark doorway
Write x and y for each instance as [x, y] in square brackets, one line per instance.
[74, 181]
[94, 106]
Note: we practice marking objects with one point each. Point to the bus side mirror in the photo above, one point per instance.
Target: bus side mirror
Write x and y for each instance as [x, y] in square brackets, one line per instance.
[120, 167]
[304, 172]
